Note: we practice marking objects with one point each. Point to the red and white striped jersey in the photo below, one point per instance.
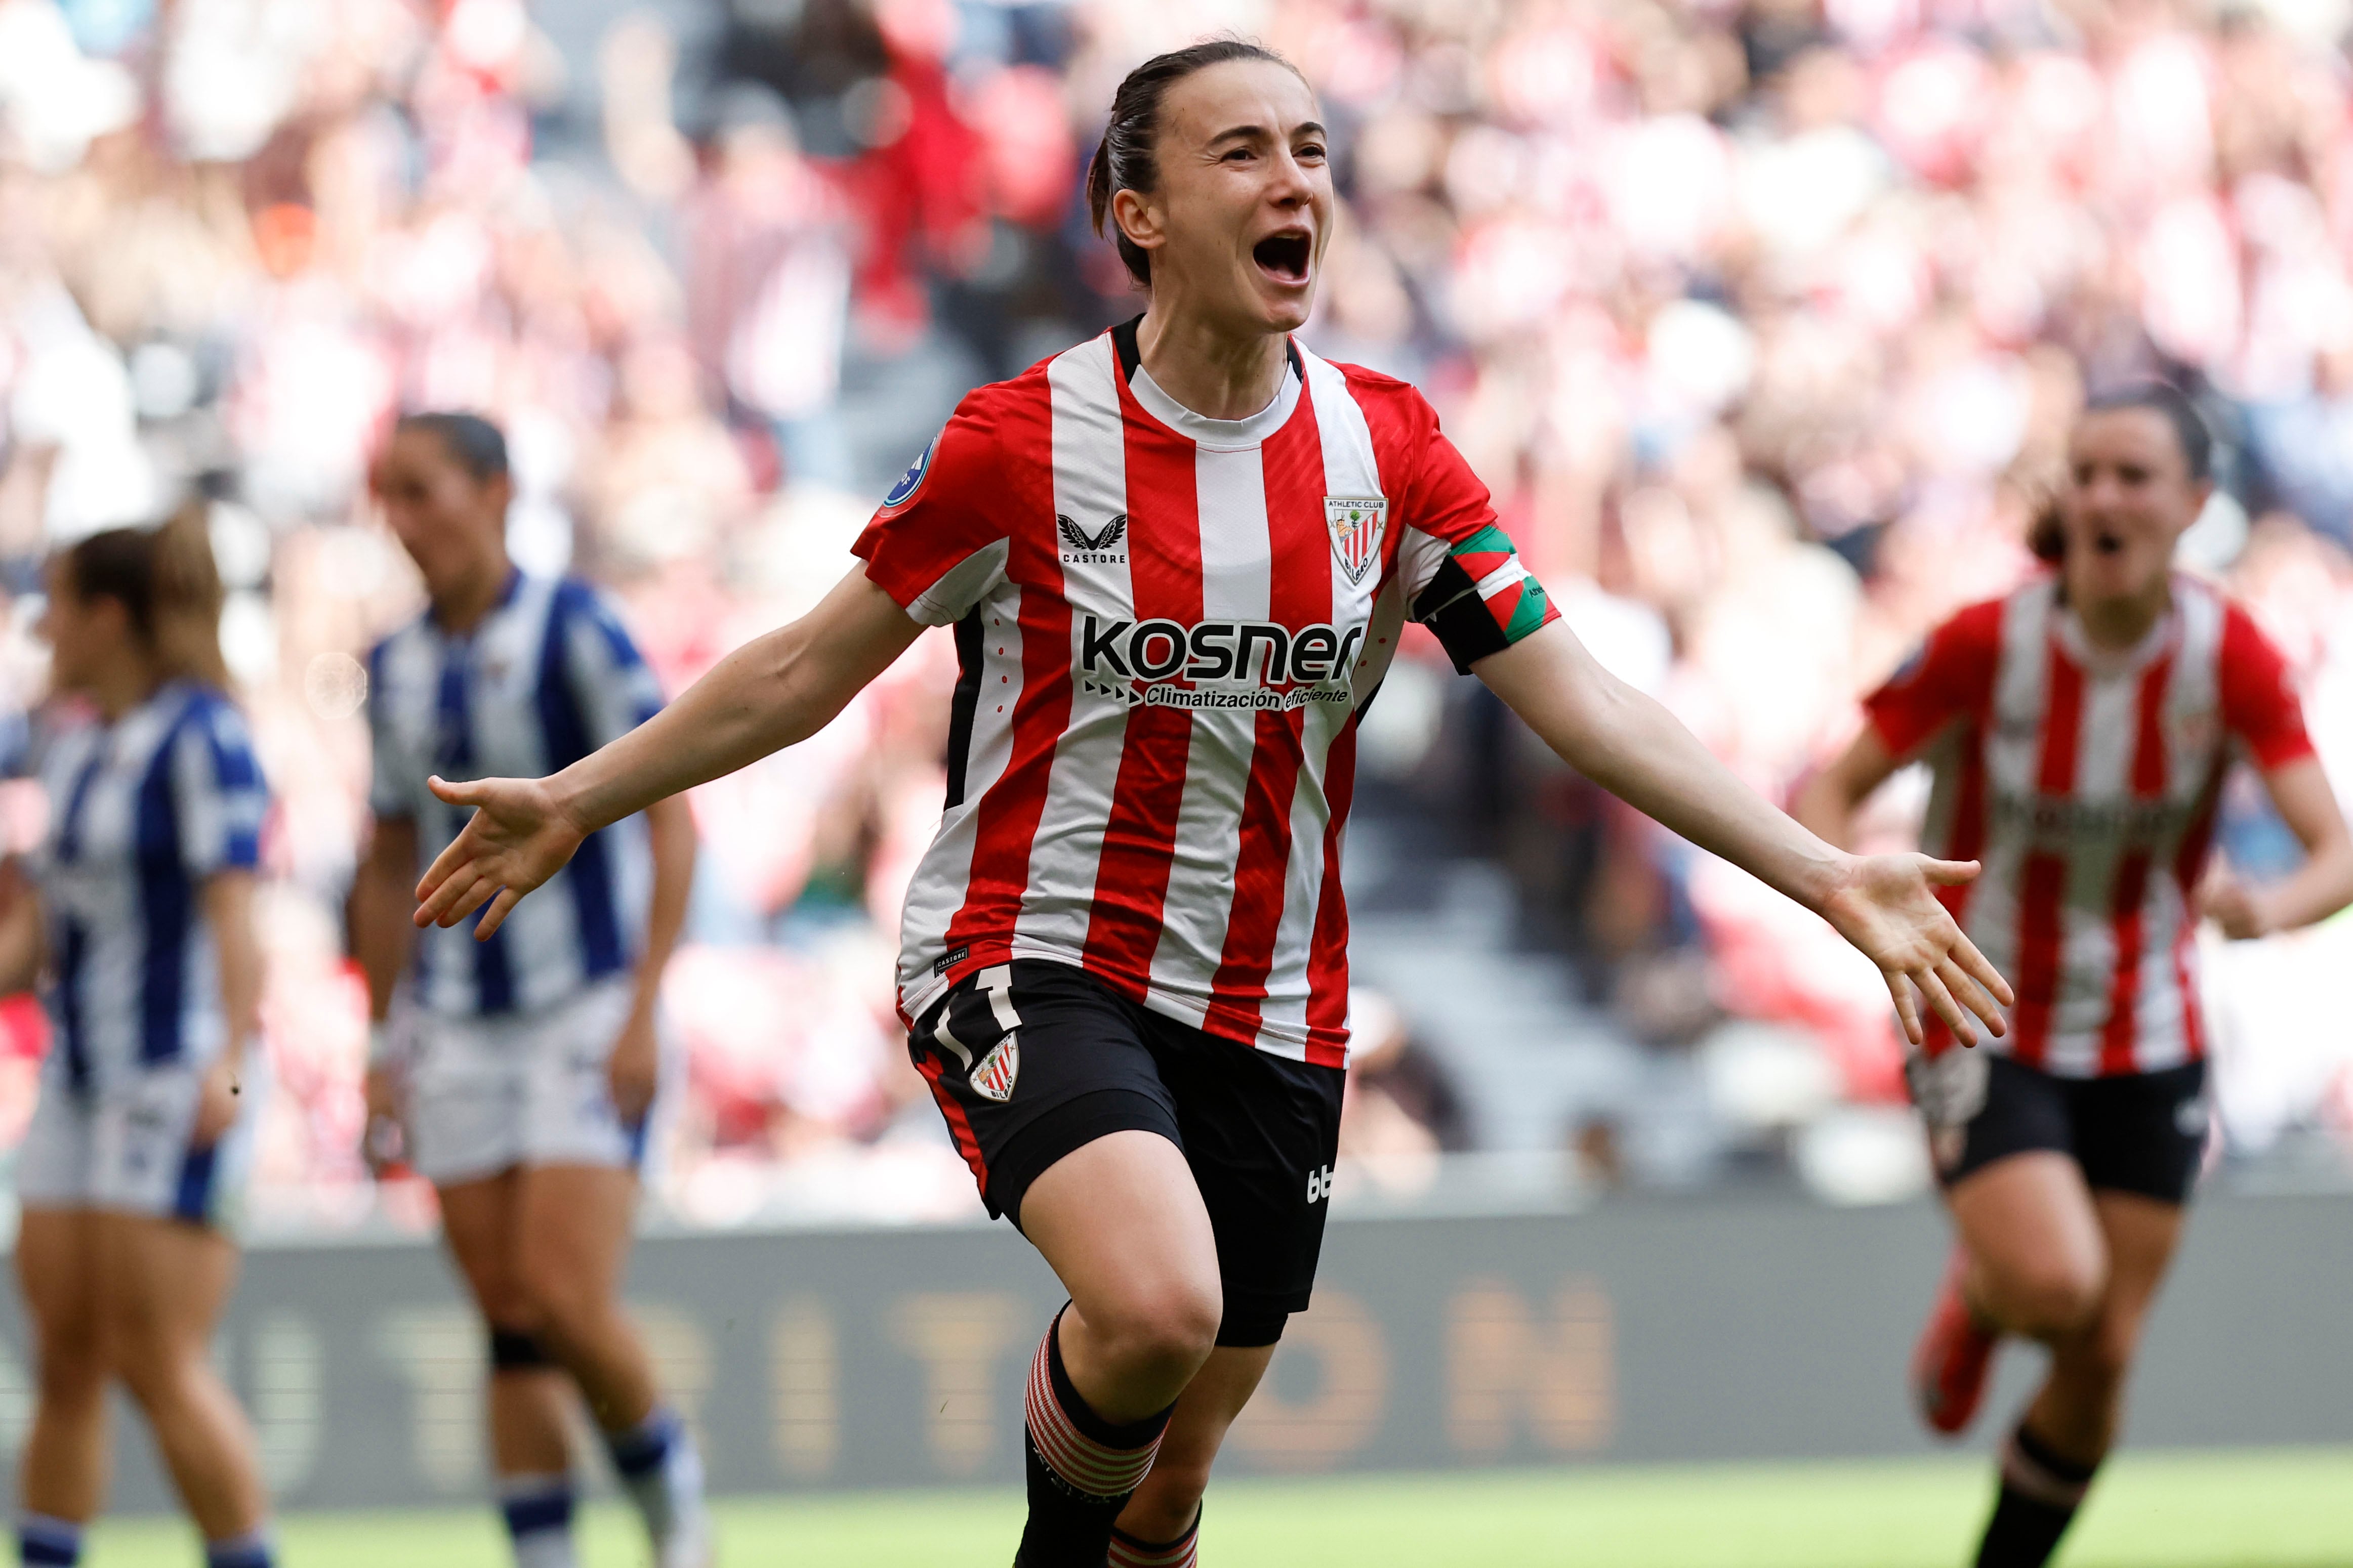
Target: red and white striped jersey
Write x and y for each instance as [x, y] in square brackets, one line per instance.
[2086, 781]
[1167, 627]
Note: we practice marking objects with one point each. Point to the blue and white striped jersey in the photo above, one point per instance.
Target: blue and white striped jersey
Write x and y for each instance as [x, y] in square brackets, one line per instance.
[142, 812]
[548, 676]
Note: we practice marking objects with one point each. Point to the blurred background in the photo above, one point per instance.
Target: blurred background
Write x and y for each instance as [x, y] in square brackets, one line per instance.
[1764, 321]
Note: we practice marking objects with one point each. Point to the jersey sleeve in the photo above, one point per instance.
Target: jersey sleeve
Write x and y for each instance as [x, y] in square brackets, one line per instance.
[937, 545]
[2259, 701]
[615, 689]
[1460, 572]
[392, 782]
[218, 791]
[1951, 674]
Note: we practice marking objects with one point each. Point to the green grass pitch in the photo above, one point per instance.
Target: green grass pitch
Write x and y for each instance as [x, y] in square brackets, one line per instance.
[2279, 1508]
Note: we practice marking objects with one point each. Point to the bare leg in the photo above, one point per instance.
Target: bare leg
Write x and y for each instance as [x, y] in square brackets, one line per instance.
[62, 1473]
[2082, 1399]
[1169, 1501]
[572, 1240]
[2038, 1259]
[161, 1287]
[480, 1221]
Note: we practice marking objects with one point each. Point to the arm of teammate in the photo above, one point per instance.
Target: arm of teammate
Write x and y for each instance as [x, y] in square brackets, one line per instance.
[237, 948]
[1826, 803]
[635, 1070]
[22, 940]
[377, 915]
[2316, 889]
[774, 691]
[1884, 905]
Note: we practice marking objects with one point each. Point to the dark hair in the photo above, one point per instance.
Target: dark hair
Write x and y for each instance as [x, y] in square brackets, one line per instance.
[473, 443]
[168, 585]
[2047, 539]
[2189, 431]
[1124, 159]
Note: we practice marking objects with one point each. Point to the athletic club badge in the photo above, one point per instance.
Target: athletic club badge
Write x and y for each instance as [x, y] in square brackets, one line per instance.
[997, 1071]
[1355, 522]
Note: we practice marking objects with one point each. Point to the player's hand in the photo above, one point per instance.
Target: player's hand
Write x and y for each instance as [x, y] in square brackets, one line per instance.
[2240, 910]
[1886, 906]
[218, 1103]
[517, 838]
[384, 1139]
[635, 1069]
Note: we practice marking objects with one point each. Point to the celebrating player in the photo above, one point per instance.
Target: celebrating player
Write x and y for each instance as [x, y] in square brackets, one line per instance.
[142, 904]
[1178, 559]
[529, 1061]
[2079, 730]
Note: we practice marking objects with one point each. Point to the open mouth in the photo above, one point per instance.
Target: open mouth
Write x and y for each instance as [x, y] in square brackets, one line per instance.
[1285, 255]
[2107, 544]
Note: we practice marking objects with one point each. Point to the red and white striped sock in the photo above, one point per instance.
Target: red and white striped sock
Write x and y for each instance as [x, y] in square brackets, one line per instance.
[1087, 1454]
[1127, 1552]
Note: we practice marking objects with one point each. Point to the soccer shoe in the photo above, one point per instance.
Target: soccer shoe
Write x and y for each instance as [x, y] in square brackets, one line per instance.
[1950, 1364]
[689, 1545]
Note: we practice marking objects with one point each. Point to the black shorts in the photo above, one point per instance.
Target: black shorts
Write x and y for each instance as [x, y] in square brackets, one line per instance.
[1041, 1058]
[2141, 1133]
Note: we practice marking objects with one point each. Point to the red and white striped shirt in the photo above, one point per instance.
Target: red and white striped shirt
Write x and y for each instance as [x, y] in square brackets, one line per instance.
[2086, 781]
[1167, 627]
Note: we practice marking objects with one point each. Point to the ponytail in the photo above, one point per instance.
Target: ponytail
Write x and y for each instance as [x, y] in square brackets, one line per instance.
[170, 590]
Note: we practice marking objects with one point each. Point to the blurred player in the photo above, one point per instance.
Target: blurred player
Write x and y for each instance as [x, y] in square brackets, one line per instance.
[1178, 559]
[526, 1063]
[2079, 730]
[143, 909]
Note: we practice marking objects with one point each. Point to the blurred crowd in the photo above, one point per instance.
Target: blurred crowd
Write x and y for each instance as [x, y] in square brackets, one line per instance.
[1764, 321]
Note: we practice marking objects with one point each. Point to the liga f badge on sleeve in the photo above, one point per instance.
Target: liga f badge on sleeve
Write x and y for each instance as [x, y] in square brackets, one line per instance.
[1355, 522]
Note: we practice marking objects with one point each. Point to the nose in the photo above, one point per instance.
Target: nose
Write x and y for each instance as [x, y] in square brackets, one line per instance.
[1290, 188]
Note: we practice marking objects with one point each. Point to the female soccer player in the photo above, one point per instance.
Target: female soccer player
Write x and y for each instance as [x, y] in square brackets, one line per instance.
[1178, 559]
[530, 1059]
[141, 905]
[2078, 730]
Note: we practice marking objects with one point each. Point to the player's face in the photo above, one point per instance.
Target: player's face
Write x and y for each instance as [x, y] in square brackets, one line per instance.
[2129, 497]
[452, 524]
[1237, 225]
[83, 633]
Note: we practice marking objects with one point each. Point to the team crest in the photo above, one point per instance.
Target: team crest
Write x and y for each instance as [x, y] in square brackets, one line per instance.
[913, 480]
[1355, 522]
[994, 1077]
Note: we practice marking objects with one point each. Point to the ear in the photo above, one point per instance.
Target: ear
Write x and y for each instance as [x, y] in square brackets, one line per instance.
[1138, 219]
[500, 490]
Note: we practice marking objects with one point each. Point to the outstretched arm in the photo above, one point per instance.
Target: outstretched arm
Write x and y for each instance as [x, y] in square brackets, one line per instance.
[769, 694]
[2316, 889]
[1884, 905]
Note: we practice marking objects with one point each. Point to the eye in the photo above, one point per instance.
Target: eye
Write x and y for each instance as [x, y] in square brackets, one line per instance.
[1235, 152]
[1313, 151]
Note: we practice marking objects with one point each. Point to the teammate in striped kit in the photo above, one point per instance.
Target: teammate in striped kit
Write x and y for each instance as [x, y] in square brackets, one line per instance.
[2079, 730]
[142, 904]
[1178, 559]
[522, 1070]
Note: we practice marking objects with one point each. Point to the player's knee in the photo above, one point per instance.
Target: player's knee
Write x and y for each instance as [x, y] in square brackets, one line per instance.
[1168, 1332]
[71, 1363]
[2054, 1301]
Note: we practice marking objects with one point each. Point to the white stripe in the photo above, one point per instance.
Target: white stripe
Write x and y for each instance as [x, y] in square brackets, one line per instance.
[2013, 745]
[2107, 731]
[1090, 488]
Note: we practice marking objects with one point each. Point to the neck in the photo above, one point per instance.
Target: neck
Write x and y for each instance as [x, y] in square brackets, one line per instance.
[460, 607]
[2120, 623]
[1217, 372]
[123, 686]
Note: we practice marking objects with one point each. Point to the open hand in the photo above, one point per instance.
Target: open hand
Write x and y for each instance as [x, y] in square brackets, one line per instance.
[517, 838]
[1885, 905]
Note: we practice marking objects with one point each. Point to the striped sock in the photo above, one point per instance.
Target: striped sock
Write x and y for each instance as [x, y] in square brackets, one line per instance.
[1082, 1468]
[250, 1550]
[538, 1511]
[45, 1542]
[2041, 1491]
[1185, 1552]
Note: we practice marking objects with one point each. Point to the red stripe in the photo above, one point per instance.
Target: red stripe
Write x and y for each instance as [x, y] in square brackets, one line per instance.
[2041, 921]
[1300, 594]
[1006, 825]
[1163, 552]
[1327, 957]
[1964, 840]
[2189, 865]
[2128, 906]
[959, 1124]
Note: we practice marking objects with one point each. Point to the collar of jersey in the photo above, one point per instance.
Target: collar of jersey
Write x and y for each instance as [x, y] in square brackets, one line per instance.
[2069, 629]
[1217, 434]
